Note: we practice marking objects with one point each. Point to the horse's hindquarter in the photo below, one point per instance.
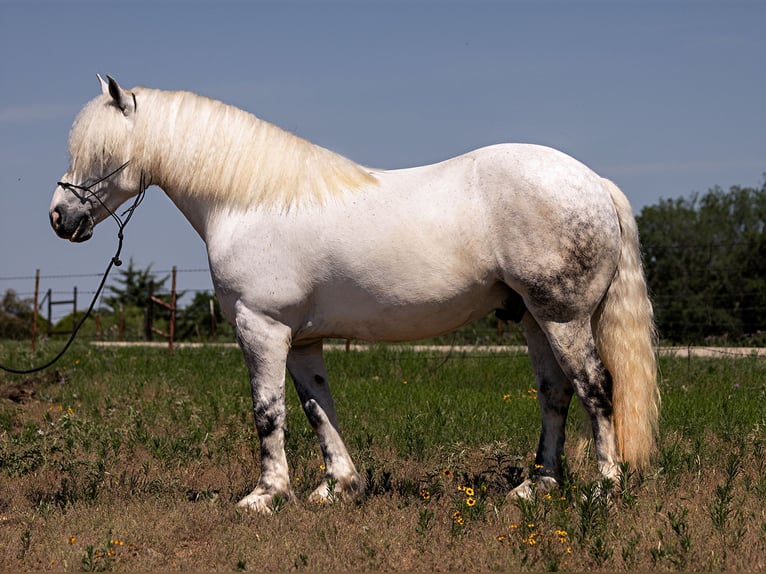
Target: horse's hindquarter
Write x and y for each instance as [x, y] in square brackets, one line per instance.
[423, 252]
[555, 228]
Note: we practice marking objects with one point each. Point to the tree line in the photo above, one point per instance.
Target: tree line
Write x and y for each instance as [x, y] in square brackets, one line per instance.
[705, 261]
[704, 257]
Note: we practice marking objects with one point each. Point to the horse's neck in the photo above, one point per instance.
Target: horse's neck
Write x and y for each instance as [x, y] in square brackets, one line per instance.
[198, 148]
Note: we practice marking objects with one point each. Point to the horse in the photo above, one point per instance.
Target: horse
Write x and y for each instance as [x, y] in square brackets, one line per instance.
[304, 244]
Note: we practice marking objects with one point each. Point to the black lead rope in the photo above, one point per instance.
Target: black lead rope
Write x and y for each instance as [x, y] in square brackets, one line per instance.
[114, 262]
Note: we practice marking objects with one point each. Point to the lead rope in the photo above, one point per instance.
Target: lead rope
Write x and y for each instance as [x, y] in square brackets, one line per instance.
[113, 262]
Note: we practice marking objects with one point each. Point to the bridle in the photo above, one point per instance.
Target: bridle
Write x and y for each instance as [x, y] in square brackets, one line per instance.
[127, 214]
[86, 193]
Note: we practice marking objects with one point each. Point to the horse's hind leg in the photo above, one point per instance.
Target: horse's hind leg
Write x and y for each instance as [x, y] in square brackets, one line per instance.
[306, 367]
[574, 348]
[554, 393]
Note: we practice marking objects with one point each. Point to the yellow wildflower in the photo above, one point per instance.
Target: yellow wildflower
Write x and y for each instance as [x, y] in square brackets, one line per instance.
[469, 491]
[470, 501]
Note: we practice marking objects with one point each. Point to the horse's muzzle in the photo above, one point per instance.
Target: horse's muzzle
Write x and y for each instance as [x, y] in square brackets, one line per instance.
[77, 228]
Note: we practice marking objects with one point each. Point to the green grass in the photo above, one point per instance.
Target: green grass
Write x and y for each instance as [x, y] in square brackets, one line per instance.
[128, 459]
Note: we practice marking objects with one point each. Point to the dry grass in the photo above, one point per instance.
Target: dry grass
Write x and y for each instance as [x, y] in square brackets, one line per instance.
[108, 472]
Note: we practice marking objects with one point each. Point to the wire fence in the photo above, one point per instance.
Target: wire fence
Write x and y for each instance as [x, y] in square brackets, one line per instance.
[63, 287]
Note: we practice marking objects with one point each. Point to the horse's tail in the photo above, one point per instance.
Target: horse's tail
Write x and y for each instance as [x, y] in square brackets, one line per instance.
[626, 337]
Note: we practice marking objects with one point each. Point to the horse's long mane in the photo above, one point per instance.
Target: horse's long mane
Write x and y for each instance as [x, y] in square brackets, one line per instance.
[205, 148]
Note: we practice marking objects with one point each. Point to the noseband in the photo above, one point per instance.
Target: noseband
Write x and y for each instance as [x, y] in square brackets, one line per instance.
[127, 214]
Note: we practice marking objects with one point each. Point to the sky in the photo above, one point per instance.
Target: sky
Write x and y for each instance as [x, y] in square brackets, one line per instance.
[666, 98]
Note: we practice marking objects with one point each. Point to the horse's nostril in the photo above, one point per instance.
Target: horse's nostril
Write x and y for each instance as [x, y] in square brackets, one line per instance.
[55, 216]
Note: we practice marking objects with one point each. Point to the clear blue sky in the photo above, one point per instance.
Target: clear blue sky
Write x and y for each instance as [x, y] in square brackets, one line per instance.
[666, 98]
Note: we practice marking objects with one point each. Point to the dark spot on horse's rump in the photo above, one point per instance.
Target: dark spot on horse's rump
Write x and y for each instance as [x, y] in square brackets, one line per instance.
[513, 308]
[319, 380]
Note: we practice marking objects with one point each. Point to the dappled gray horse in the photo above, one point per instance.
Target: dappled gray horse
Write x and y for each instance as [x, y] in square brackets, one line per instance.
[305, 244]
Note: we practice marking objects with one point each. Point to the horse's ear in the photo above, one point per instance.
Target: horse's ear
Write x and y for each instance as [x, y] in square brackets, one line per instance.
[126, 101]
[104, 84]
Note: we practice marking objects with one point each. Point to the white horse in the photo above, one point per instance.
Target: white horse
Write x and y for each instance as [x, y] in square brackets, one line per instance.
[304, 244]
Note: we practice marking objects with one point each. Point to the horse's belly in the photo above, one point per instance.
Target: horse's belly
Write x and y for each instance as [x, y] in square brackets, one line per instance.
[398, 316]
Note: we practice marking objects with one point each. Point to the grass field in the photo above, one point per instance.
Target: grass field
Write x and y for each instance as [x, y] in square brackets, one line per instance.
[127, 459]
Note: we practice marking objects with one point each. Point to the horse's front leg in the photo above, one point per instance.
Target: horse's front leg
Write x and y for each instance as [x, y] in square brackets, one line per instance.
[265, 344]
[306, 366]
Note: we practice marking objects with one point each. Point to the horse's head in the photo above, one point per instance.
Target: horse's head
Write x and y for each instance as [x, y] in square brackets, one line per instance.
[100, 177]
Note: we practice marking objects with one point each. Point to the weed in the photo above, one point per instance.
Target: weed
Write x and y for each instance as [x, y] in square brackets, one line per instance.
[676, 551]
[378, 483]
[26, 542]
[593, 510]
[302, 561]
[625, 483]
[101, 559]
[278, 503]
[721, 507]
[425, 518]
[332, 494]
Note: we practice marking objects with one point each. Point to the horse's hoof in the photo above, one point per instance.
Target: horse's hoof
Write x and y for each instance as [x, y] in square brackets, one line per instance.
[258, 504]
[263, 503]
[527, 489]
[330, 491]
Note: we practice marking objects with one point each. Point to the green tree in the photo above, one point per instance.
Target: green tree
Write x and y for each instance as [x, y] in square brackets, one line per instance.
[195, 321]
[705, 264]
[15, 316]
[133, 287]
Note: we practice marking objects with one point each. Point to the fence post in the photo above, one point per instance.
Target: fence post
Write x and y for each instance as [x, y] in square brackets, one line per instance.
[211, 302]
[35, 312]
[172, 326]
[149, 327]
[51, 303]
[74, 307]
[149, 314]
[49, 295]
